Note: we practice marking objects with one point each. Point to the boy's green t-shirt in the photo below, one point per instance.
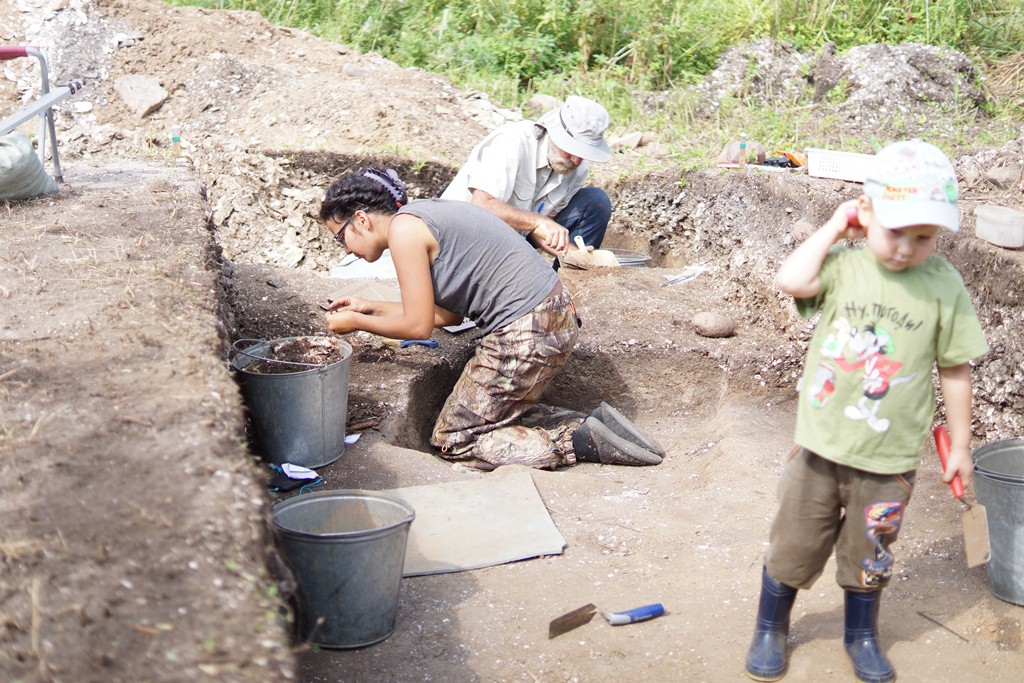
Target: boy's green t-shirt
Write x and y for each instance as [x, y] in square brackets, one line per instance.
[867, 396]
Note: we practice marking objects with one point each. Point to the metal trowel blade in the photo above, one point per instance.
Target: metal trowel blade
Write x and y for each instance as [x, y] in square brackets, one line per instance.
[571, 620]
[976, 540]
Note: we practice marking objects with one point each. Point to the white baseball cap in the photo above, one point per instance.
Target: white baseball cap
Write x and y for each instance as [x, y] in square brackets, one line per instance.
[913, 183]
[577, 127]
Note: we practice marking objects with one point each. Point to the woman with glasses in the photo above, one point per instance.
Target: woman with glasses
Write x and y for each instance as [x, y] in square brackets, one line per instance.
[453, 260]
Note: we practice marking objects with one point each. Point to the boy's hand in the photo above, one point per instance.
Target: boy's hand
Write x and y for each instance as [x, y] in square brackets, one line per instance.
[799, 274]
[960, 463]
[846, 221]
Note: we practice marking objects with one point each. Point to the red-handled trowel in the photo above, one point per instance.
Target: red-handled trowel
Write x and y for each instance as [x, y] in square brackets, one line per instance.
[975, 521]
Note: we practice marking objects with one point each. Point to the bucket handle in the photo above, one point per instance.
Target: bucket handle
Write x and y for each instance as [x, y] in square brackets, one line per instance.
[253, 342]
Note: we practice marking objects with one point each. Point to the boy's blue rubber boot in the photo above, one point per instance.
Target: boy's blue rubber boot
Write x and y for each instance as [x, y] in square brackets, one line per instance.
[870, 664]
[766, 658]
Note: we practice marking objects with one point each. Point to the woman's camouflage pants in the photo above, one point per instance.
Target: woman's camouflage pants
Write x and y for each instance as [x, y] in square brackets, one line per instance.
[501, 383]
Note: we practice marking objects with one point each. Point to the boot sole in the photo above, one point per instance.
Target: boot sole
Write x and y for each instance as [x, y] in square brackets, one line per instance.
[766, 677]
[609, 448]
[864, 680]
[860, 679]
[621, 426]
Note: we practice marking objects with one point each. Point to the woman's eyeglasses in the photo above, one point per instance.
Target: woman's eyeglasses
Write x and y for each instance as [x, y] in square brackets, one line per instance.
[339, 236]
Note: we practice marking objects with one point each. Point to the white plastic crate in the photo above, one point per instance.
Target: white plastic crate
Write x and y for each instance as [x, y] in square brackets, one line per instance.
[1000, 225]
[825, 163]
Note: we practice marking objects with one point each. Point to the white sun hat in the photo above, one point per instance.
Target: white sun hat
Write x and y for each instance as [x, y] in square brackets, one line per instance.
[577, 127]
[913, 183]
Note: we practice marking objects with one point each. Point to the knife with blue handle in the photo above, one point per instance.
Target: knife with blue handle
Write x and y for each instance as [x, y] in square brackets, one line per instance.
[632, 616]
[582, 615]
[429, 343]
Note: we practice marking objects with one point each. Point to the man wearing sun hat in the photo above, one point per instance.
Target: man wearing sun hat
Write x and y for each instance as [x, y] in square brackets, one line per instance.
[532, 174]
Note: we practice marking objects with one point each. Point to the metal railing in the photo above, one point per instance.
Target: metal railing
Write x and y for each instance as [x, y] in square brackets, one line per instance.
[43, 107]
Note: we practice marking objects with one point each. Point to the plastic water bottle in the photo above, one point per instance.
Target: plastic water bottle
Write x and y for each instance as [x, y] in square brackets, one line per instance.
[743, 150]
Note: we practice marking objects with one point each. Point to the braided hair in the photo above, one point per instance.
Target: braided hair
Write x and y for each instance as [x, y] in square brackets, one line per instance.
[375, 189]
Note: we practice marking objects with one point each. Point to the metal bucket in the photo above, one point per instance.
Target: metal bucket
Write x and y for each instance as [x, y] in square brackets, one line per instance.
[999, 482]
[297, 417]
[347, 551]
[631, 259]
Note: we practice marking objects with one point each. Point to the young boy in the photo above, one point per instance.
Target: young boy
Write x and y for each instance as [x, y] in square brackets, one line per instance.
[890, 312]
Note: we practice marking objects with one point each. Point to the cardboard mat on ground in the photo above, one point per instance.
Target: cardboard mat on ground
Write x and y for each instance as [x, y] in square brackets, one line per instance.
[366, 288]
[354, 268]
[477, 523]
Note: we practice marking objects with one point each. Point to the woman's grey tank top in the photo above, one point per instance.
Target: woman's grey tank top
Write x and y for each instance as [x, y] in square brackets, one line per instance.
[484, 269]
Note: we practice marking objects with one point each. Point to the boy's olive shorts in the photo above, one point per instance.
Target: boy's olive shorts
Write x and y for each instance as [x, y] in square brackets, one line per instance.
[824, 505]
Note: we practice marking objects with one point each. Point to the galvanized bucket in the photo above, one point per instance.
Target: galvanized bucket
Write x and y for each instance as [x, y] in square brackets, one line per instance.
[999, 481]
[347, 551]
[631, 259]
[297, 417]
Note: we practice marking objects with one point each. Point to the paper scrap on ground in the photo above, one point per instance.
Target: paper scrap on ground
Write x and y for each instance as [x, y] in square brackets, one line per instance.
[455, 329]
[366, 288]
[298, 471]
[477, 523]
[689, 273]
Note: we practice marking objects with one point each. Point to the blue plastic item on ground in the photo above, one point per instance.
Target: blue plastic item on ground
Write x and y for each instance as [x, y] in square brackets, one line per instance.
[430, 343]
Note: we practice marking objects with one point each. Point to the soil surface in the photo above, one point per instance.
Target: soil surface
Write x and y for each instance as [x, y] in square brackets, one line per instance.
[297, 354]
[136, 545]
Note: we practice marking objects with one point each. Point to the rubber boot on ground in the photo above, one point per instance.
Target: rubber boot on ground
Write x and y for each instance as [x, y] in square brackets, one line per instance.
[617, 422]
[595, 442]
[766, 658]
[870, 664]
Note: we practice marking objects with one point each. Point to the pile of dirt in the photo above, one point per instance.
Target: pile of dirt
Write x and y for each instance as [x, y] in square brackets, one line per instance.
[134, 544]
[241, 96]
[294, 355]
[880, 91]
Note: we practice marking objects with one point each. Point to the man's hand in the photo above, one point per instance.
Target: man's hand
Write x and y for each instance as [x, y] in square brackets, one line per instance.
[550, 237]
[544, 233]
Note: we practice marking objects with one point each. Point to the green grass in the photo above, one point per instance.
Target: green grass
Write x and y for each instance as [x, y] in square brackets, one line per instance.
[620, 52]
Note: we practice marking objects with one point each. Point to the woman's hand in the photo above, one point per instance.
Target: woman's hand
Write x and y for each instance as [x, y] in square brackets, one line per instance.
[342, 322]
[352, 303]
[343, 313]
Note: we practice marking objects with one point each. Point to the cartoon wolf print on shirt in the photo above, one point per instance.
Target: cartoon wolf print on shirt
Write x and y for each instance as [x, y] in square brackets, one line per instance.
[854, 350]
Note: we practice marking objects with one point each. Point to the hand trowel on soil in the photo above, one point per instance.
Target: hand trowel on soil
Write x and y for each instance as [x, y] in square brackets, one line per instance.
[975, 521]
[582, 615]
[581, 258]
